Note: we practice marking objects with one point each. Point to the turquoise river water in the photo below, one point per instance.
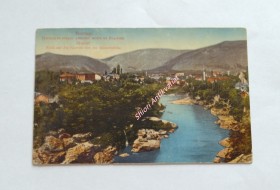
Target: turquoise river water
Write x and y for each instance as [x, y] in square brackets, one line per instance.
[195, 140]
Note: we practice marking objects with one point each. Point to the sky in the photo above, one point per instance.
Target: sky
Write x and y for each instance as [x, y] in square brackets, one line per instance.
[105, 42]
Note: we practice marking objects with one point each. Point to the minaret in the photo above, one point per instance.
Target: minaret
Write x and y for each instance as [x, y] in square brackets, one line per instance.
[204, 74]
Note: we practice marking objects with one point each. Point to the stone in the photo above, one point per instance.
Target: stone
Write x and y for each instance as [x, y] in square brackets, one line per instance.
[52, 133]
[141, 132]
[64, 135]
[225, 142]
[36, 158]
[81, 153]
[52, 144]
[123, 155]
[60, 131]
[106, 156]
[242, 159]
[42, 157]
[149, 145]
[217, 160]
[172, 125]
[225, 153]
[82, 137]
[171, 131]
[227, 122]
[219, 112]
[57, 158]
[69, 143]
[162, 132]
[185, 101]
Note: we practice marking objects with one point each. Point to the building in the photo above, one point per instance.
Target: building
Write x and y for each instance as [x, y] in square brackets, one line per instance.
[216, 73]
[155, 76]
[67, 77]
[216, 79]
[111, 76]
[242, 86]
[204, 75]
[179, 74]
[82, 77]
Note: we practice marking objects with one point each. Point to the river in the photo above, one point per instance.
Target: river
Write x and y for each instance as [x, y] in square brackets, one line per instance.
[196, 139]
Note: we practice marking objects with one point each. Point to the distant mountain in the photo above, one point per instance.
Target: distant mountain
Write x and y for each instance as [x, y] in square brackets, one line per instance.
[70, 63]
[228, 55]
[143, 59]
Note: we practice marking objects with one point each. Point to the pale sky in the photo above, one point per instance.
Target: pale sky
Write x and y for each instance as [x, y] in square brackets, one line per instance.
[104, 42]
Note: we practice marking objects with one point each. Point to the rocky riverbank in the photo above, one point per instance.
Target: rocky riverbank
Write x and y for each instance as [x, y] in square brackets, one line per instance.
[62, 148]
[184, 101]
[225, 121]
[149, 139]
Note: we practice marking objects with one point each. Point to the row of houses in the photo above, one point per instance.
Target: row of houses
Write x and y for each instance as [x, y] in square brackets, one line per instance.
[82, 77]
[86, 77]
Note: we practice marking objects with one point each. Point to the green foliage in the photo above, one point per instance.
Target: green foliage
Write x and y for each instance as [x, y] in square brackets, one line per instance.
[226, 89]
[100, 108]
[241, 140]
[47, 82]
[114, 138]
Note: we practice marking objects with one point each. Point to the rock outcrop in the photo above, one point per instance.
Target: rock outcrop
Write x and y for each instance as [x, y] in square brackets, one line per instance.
[217, 112]
[217, 160]
[106, 156]
[82, 137]
[69, 142]
[123, 155]
[225, 153]
[41, 156]
[170, 124]
[226, 142]
[148, 140]
[81, 153]
[242, 159]
[184, 101]
[52, 144]
[62, 148]
[140, 145]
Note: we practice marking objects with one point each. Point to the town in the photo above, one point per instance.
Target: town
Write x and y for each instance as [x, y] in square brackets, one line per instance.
[183, 79]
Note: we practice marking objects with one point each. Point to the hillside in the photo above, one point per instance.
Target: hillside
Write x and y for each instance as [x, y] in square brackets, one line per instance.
[143, 59]
[70, 63]
[228, 55]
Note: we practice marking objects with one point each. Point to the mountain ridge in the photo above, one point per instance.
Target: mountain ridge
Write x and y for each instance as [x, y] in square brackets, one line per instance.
[223, 56]
[227, 55]
[70, 63]
[142, 59]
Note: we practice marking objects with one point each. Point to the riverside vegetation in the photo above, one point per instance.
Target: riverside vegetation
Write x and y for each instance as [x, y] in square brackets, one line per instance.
[95, 117]
[232, 108]
[91, 122]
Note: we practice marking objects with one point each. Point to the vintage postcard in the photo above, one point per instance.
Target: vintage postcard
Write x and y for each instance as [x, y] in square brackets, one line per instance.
[141, 95]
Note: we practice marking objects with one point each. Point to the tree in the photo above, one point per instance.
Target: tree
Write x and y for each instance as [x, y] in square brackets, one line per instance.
[114, 71]
[118, 71]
